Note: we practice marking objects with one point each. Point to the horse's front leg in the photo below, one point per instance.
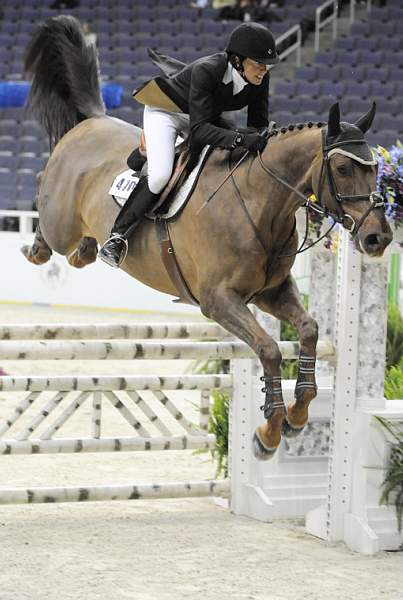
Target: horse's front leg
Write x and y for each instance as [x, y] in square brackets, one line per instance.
[285, 304]
[227, 308]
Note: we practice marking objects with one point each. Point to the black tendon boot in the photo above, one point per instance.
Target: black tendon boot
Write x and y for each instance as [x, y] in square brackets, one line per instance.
[140, 201]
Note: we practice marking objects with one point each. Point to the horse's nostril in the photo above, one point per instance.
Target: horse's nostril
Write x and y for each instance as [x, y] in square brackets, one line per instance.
[372, 240]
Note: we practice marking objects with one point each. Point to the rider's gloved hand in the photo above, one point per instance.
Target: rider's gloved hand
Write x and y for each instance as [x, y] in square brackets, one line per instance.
[254, 142]
[251, 141]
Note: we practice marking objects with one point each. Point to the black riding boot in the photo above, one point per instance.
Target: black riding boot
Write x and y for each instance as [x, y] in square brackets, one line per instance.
[140, 201]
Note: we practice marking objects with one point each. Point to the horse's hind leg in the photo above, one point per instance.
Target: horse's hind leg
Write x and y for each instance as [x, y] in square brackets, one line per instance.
[285, 304]
[227, 308]
[39, 252]
[85, 254]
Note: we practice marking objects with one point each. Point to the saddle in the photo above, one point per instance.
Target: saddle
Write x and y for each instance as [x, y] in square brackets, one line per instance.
[138, 162]
[170, 205]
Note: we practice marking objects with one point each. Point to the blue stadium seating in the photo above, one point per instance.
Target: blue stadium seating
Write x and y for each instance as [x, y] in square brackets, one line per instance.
[362, 67]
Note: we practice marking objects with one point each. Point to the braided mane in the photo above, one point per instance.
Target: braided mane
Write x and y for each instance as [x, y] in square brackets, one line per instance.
[292, 127]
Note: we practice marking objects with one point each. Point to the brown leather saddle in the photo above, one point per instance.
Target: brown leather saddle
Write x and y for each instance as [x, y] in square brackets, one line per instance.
[138, 162]
[159, 214]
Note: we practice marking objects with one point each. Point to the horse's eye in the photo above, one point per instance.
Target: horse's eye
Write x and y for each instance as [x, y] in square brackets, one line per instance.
[342, 170]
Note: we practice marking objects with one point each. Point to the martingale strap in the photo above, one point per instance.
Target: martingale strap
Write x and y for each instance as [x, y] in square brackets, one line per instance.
[274, 395]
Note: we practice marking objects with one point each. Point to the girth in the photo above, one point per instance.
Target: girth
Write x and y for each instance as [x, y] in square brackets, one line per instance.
[171, 264]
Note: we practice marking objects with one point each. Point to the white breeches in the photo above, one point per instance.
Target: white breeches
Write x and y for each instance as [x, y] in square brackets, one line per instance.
[161, 128]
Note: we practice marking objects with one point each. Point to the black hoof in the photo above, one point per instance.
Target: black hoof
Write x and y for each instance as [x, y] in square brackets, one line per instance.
[260, 451]
[289, 431]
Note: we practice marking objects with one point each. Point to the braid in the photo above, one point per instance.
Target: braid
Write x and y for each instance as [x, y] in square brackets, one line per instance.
[292, 126]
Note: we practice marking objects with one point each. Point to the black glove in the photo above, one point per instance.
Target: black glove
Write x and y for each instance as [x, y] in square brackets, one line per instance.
[254, 142]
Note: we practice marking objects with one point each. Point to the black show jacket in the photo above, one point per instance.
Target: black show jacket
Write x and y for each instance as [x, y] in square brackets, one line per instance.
[198, 90]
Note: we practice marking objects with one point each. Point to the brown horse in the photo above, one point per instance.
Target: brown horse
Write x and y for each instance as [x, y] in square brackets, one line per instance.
[240, 248]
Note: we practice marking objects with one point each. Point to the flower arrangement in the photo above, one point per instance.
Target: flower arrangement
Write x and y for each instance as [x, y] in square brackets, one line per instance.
[389, 184]
[390, 181]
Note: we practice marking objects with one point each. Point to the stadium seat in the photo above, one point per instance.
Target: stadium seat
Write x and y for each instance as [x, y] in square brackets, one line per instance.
[361, 90]
[286, 88]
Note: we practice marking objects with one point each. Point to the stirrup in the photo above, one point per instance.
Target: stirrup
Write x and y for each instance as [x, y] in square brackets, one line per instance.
[104, 253]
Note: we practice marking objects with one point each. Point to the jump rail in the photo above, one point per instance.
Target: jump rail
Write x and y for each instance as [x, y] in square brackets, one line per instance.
[129, 350]
[66, 383]
[112, 331]
[191, 489]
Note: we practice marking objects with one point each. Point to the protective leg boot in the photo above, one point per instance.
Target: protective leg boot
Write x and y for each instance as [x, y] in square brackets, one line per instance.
[140, 201]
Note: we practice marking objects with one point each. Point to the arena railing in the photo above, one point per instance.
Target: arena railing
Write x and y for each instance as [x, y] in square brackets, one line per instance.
[295, 46]
[25, 219]
[321, 20]
[352, 9]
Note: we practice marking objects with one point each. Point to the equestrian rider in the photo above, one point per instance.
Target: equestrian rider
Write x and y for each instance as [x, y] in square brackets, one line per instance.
[191, 103]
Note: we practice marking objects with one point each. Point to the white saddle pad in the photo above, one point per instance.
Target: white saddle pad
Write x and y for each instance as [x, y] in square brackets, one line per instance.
[126, 181]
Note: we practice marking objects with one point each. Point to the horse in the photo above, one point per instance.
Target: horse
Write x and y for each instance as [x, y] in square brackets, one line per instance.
[235, 250]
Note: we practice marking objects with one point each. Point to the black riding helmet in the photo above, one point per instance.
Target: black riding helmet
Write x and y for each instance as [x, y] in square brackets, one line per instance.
[255, 41]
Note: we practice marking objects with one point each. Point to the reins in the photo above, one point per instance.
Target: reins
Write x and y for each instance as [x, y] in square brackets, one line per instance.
[337, 216]
[307, 204]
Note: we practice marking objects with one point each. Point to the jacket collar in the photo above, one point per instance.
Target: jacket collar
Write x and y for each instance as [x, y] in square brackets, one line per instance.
[231, 75]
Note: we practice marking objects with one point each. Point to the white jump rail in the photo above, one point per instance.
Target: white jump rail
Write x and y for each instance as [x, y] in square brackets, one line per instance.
[321, 23]
[191, 489]
[129, 350]
[66, 383]
[112, 331]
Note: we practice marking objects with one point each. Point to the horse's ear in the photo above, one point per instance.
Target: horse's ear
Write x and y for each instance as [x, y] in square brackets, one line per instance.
[333, 124]
[365, 122]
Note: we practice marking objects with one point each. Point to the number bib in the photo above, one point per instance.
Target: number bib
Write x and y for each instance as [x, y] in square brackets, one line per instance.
[124, 184]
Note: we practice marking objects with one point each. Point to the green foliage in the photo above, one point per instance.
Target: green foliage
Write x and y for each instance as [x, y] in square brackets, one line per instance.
[219, 413]
[393, 388]
[394, 340]
[211, 366]
[218, 424]
[393, 482]
[289, 368]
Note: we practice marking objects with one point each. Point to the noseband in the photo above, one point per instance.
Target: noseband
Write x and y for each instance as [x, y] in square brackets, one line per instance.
[374, 198]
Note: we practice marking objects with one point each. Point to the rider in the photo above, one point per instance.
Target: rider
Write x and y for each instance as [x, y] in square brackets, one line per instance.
[191, 103]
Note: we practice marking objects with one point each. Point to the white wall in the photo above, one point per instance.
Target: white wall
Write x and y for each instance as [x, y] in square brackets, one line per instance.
[56, 282]
[98, 285]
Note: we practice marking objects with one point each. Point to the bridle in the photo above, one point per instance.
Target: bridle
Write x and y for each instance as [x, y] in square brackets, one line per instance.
[338, 215]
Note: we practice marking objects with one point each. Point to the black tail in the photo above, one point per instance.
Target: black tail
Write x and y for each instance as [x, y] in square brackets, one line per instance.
[65, 77]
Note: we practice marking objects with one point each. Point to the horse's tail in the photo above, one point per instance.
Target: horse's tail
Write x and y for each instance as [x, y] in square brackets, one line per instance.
[64, 73]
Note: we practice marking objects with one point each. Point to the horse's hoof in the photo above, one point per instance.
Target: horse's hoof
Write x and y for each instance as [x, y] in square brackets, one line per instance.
[36, 258]
[260, 451]
[288, 431]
